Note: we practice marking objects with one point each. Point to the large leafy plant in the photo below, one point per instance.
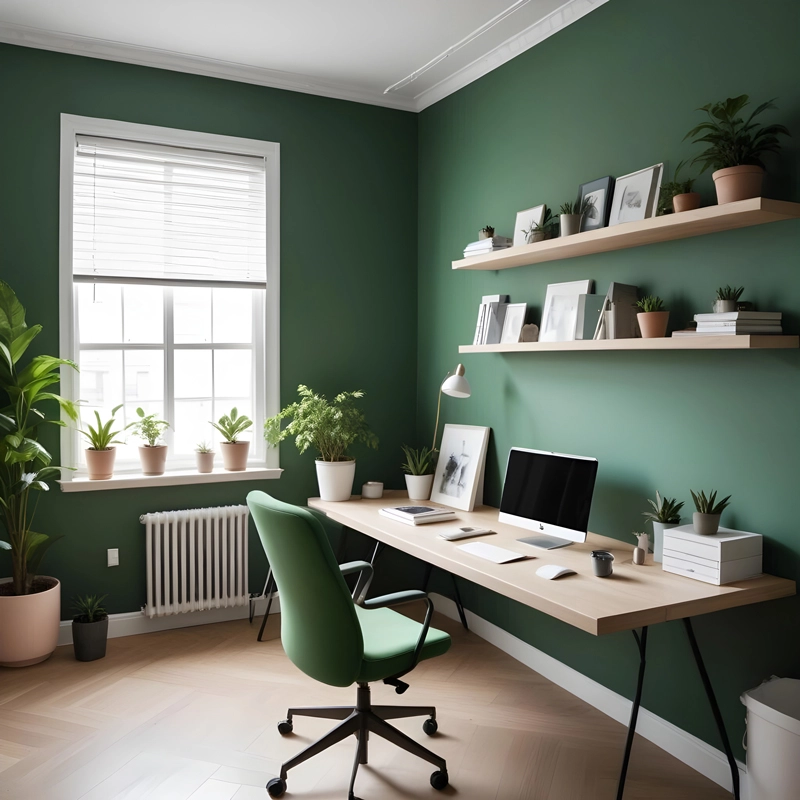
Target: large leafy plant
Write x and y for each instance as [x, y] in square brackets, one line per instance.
[329, 428]
[733, 141]
[25, 465]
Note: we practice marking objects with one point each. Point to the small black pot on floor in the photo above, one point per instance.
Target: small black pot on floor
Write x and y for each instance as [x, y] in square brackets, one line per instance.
[89, 639]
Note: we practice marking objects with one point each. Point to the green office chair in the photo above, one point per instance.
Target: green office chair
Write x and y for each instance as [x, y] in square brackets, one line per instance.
[340, 641]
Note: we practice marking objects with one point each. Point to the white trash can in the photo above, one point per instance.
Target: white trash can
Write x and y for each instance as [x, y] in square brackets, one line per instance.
[773, 739]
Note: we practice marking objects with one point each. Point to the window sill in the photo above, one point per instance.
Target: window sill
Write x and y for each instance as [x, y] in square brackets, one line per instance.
[176, 478]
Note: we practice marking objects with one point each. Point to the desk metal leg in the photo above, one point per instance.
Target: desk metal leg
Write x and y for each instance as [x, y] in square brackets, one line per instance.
[714, 706]
[456, 593]
[269, 591]
[641, 642]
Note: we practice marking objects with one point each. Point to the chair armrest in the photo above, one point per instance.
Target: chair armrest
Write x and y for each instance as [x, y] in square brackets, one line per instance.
[362, 584]
[354, 566]
[400, 598]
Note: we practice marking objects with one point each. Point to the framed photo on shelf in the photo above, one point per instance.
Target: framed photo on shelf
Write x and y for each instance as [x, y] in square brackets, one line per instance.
[525, 219]
[636, 195]
[513, 322]
[599, 194]
[458, 481]
[560, 312]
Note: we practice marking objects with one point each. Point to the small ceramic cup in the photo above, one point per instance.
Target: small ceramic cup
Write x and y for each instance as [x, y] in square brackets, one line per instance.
[601, 563]
[372, 490]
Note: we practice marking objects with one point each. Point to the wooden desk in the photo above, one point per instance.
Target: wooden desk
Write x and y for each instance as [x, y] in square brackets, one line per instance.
[633, 597]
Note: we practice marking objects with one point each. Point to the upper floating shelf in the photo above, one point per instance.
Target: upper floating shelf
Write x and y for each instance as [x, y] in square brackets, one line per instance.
[742, 214]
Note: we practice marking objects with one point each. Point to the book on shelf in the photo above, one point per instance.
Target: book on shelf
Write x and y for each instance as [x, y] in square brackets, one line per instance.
[733, 323]
[494, 241]
[491, 315]
[417, 515]
[729, 330]
[738, 316]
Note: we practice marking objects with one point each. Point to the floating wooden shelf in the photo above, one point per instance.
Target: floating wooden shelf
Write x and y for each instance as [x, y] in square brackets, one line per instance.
[728, 342]
[712, 219]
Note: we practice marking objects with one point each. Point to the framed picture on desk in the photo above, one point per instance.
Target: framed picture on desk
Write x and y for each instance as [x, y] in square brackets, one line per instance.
[459, 471]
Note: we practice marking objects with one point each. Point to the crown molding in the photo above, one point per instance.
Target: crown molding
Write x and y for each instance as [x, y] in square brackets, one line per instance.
[180, 62]
[557, 20]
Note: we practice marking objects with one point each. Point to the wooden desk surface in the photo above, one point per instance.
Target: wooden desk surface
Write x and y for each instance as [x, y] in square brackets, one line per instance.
[632, 597]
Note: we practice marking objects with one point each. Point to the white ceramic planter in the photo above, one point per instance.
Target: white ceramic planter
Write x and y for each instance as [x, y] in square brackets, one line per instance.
[570, 224]
[658, 539]
[234, 455]
[29, 626]
[705, 524]
[419, 486]
[335, 479]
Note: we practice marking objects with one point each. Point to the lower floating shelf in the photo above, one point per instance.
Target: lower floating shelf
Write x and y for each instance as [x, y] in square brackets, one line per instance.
[740, 342]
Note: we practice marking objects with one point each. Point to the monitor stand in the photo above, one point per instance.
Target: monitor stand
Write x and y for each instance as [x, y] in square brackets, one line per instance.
[546, 542]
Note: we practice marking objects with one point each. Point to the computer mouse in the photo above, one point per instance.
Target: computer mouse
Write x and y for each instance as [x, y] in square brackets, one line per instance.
[553, 571]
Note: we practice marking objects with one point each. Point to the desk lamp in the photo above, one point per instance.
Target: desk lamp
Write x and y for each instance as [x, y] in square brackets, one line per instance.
[455, 385]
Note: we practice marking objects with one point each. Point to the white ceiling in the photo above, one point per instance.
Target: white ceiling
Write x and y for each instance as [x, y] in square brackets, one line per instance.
[353, 49]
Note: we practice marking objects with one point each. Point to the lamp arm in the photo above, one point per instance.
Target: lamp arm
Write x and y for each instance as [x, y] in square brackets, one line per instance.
[438, 409]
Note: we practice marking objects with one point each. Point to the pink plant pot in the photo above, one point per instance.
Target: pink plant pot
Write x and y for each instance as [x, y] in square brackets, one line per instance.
[29, 625]
[653, 324]
[738, 183]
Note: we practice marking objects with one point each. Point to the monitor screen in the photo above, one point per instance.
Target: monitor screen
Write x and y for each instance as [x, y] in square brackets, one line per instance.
[550, 493]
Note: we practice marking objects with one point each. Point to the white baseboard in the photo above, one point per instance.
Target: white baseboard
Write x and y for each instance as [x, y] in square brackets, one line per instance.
[694, 752]
[135, 622]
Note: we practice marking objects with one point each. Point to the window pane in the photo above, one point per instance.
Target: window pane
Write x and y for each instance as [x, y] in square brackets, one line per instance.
[101, 379]
[192, 315]
[99, 313]
[193, 374]
[233, 315]
[233, 373]
[144, 314]
[144, 377]
[192, 425]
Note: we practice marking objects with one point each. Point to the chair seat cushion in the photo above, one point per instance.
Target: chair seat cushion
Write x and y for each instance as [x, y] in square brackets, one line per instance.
[389, 642]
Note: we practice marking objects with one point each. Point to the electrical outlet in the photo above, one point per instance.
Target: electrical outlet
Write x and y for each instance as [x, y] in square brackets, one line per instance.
[113, 557]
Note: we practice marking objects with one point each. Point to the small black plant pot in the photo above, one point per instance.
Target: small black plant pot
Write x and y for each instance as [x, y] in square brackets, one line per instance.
[89, 639]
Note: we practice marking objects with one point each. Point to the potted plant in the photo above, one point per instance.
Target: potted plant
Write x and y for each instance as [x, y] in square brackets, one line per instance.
[666, 513]
[735, 147]
[652, 317]
[89, 627]
[677, 195]
[706, 518]
[538, 232]
[419, 468]
[100, 454]
[30, 605]
[571, 216]
[204, 454]
[234, 452]
[486, 232]
[727, 298]
[152, 454]
[329, 428]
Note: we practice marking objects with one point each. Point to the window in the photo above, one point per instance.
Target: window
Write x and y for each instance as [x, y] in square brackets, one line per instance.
[169, 282]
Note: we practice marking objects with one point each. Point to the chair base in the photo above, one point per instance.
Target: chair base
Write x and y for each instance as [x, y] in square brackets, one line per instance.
[358, 721]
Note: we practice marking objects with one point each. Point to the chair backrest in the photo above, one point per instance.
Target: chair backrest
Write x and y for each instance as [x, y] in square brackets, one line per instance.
[319, 627]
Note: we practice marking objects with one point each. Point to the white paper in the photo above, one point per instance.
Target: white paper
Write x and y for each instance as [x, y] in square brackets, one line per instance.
[499, 555]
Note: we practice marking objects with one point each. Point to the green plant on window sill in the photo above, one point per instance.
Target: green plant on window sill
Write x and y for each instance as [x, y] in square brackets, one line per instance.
[666, 510]
[650, 303]
[102, 437]
[149, 428]
[330, 428]
[89, 608]
[204, 447]
[708, 505]
[231, 426]
[419, 461]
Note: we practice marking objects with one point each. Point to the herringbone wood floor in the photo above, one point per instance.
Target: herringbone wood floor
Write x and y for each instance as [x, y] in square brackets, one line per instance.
[192, 713]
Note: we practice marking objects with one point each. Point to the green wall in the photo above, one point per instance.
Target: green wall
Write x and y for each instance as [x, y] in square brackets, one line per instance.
[613, 93]
[348, 279]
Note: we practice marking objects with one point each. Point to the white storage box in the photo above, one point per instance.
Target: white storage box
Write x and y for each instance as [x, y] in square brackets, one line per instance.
[726, 557]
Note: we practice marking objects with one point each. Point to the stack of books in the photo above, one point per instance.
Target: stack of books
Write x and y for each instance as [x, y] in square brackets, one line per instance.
[491, 316]
[484, 246]
[417, 515]
[733, 323]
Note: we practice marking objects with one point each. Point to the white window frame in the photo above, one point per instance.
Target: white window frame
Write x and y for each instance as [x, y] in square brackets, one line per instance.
[71, 440]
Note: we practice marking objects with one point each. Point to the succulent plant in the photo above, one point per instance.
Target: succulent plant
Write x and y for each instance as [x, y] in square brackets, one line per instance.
[708, 505]
[665, 509]
[650, 303]
[729, 292]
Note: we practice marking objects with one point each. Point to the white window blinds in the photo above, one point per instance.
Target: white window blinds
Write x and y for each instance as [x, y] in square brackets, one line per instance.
[159, 214]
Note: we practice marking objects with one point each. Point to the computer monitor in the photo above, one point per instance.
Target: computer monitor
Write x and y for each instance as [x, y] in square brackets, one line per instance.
[550, 493]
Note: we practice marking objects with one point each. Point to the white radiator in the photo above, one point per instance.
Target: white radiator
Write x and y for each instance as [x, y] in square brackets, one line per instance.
[196, 559]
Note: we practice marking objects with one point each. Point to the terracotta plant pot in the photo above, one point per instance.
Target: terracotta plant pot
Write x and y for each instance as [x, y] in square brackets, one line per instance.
[419, 486]
[335, 479]
[205, 462]
[29, 624]
[100, 463]
[653, 324]
[685, 202]
[234, 455]
[89, 639]
[705, 524]
[738, 183]
[154, 459]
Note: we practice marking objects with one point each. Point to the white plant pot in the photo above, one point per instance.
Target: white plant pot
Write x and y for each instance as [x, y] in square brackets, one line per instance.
[335, 479]
[570, 224]
[419, 486]
[658, 539]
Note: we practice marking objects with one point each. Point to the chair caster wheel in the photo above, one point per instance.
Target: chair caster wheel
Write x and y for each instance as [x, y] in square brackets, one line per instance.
[439, 780]
[284, 727]
[430, 726]
[276, 787]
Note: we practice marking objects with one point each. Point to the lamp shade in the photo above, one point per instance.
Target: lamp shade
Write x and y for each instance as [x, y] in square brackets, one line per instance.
[457, 385]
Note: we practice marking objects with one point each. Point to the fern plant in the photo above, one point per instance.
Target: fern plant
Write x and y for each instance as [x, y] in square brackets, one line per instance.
[650, 303]
[730, 293]
[89, 608]
[666, 510]
[148, 427]
[330, 428]
[419, 461]
[708, 505]
[232, 425]
[102, 437]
